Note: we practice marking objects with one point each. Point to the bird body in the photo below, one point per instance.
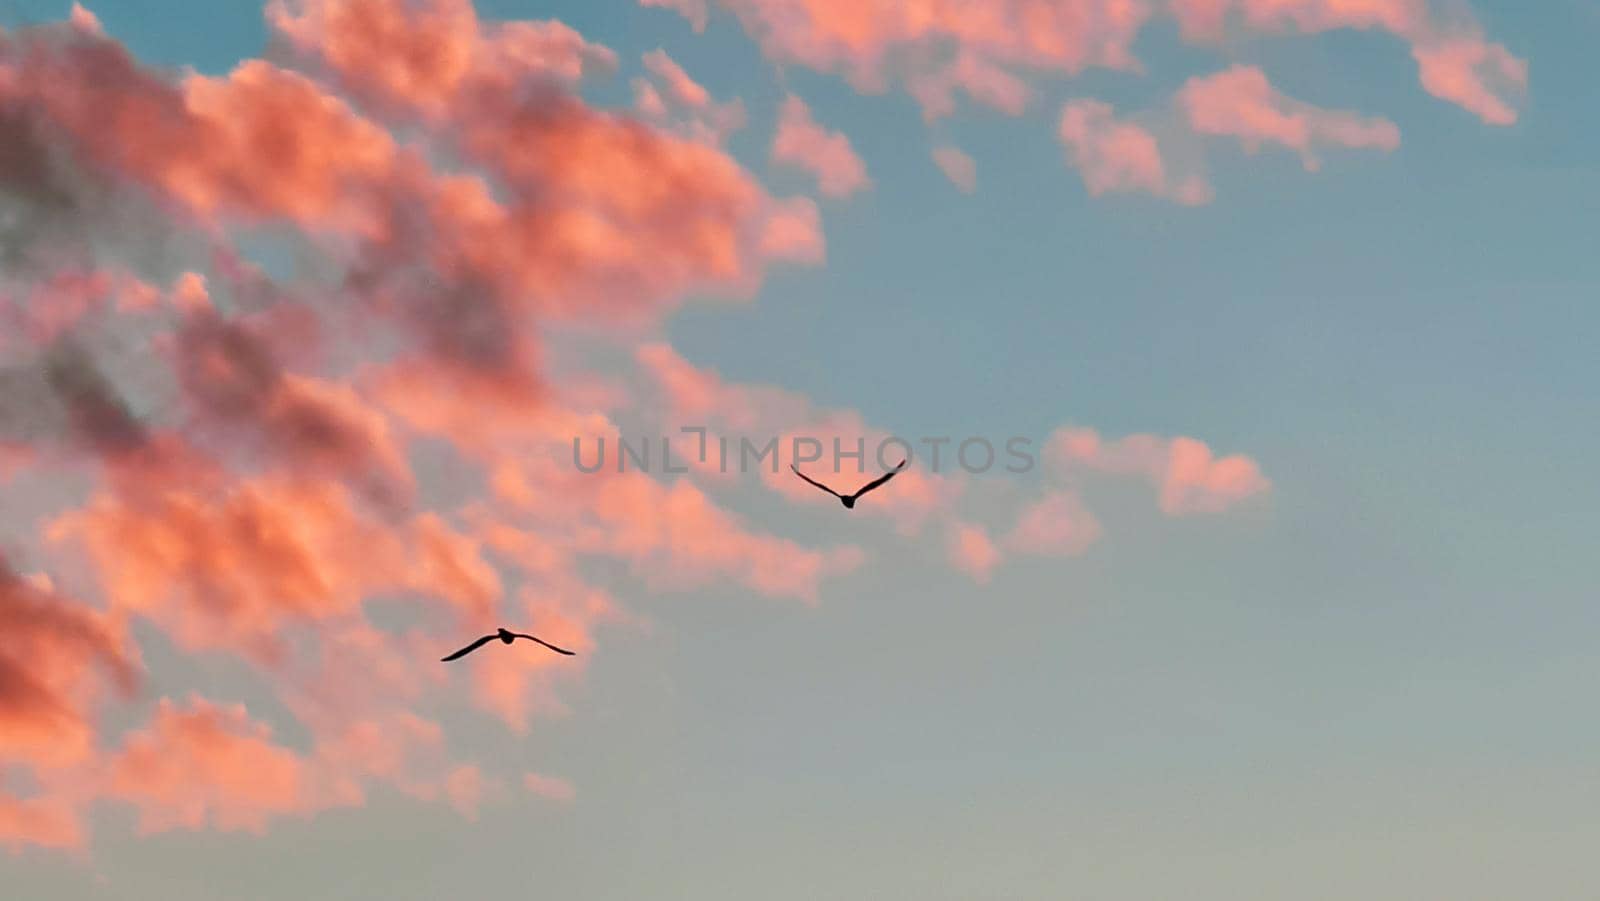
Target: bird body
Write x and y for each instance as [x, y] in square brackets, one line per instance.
[506, 636]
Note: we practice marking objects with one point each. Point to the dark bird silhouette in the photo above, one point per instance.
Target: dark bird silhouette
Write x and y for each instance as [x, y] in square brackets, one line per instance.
[849, 500]
[505, 636]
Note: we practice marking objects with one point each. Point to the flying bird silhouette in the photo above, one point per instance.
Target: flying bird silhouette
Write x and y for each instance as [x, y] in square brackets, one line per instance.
[505, 636]
[849, 500]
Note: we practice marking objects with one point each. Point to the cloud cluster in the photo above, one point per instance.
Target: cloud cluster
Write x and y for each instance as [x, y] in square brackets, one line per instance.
[244, 478]
[987, 48]
[1186, 476]
[1000, 53]
[317, 386]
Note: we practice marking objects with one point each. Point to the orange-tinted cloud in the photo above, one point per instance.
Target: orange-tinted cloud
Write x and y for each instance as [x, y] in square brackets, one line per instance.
[199, 764]
[678, 538]
[1241, 103]
[233, 379]
[261, 142]
[988, 47]
[609, 216]
[232, 565]
[386, 421]
[564, 610]
[422, 56]
[58, 661]
[42, 822]
[258, 496]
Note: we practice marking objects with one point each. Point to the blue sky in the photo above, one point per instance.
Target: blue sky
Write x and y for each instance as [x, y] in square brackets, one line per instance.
[1368, 683]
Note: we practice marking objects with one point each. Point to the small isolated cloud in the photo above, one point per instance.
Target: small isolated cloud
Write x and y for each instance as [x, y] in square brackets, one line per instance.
[693, 10]
[1478, 76]
[957, 166]
[1057, 525]
[549, 787]
[1189, 477]
[972, 551]
[802, 143]
[1118, 156]
[680, 87]
[465, 787]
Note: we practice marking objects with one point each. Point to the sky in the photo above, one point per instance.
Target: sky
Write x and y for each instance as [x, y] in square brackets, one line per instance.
[1293, 302]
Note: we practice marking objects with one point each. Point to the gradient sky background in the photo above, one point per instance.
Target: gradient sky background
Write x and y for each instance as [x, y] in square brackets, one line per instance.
[1370, 680]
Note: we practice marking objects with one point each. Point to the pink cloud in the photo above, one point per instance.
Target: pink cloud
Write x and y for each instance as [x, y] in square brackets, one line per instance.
[1207, 16]
[761, 414]
[391, 424]
[59, 660]
[268, 501]
[793, 232]
[958, 167]
[549, 787]
[1056, 525]
[82, 18]
[1479, 77]
[424, 55]
[999, 53]
[874, 42]
[199, 764]
[1457, 64]
[1190, 478]
[680, 86]
[972, 551]
[1240, 103]
[983, 81]
[39, 822]
[671, 98]
[678, 537]
[693, 10]
[465, 787]
[1115, 155]
[1198, 482]
[802, 143]
[212, 145]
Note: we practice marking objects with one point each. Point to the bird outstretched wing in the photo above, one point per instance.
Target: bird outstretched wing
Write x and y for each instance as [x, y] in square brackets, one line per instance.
[469, 648]
[881, 479]
[814, 481]
[545, 643]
